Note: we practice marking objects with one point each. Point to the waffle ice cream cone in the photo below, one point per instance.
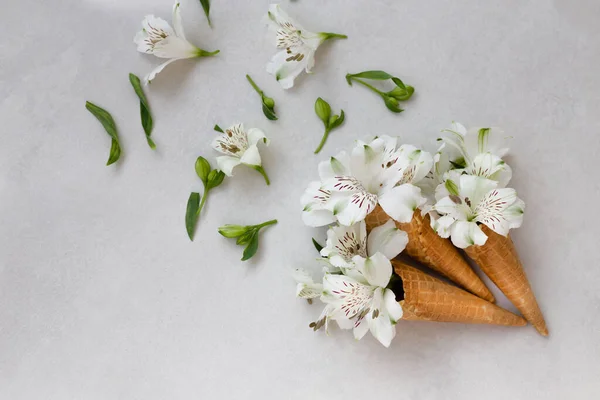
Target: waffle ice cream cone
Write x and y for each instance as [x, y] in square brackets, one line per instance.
[428, 248]
[429, 299]
[499, 260]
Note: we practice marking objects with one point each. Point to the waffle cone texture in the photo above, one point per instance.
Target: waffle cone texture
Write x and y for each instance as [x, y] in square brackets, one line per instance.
[499, 260]
[428, 248]
[429, 299]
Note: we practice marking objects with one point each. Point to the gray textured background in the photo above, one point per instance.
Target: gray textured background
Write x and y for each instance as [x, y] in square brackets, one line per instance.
[102, 296]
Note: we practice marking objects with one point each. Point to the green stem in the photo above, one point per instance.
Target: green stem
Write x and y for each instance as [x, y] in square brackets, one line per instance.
[254, 85]
[204, 53]
[329, 35]
[369, 86]
[262, 172]
[204, 196]
[271, 222]
[325, 136]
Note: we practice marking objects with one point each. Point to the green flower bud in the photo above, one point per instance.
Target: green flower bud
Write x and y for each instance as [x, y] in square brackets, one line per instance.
[232, 231]
[202, 169]
[269, 102]
[215, 178]
[323, 110]
[392, 104]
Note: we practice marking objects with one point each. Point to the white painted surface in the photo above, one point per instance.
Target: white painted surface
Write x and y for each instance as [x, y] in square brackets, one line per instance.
[103, 296]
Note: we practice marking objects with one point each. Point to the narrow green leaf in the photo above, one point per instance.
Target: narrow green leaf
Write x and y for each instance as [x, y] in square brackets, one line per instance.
[109, 125]
[398, 82]
[206, 8]
[191, 214]
[269, 112]
[375, 75]
[218, 129]
[215, 178]
[251, 248]
[115, 152]
[392, 104]
[323, 110]
[317, 245]
[145, 114]
[337, 121]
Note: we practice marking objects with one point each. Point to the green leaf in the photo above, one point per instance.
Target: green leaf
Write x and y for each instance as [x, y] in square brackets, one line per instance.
[202, 169]
[375, 75]
[323, 110]
[218, 129]
[251, 248]
[392, 104]
[451, 187]
[269, 112]
[191, 213]
[109, 125]
[337, 121]
[215, 178]
[147, 122]
[206, 8]
[317, 245]
[399, 83]
[232, 231]
[115, 152]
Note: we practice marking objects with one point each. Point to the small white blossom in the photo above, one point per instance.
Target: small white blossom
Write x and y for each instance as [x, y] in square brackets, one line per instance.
[298, 47]
[473, 200]
[157, 37]
[240, 147]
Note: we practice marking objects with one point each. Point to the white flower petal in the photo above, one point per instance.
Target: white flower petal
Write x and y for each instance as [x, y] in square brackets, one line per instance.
[150, 77]
[376, 269]
[255, 135]
[233, 142]
[393, 308]
[335, 166]
[474, 188]
[465, 234]
[348, 296]
[484, 140]
[316, 218]
[442, 225]
[286, 71]
[344, 242]
[454, 207]
[514, 214]
[227, 164]
[177, 24]
[379, 321]
[361, 327]
[251, 156]
[401, 202]
[414, 163]
[387, 239]
[490, 211]
[175, 47]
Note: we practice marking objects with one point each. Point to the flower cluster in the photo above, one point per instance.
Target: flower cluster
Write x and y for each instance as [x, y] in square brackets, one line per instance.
[355, 287]
[467, 179]
[472, 178]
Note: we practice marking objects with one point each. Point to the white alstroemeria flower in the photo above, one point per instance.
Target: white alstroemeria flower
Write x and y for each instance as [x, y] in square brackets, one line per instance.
[477, 151]
[362, 302]
[298, 47]
[159, 38]
[475, 200]
[345, 242]
[306, 287]
[240, 147]
[375, 173]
